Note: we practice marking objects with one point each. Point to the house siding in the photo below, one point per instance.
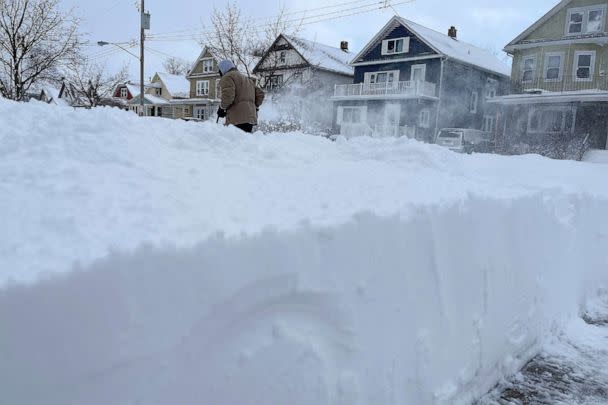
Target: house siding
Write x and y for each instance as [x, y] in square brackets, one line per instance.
[460, 81]
[417, 47]
[433, 69]
[601, 63]
[555, 27]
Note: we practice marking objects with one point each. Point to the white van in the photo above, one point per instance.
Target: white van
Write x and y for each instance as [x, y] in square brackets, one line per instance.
[464, 140]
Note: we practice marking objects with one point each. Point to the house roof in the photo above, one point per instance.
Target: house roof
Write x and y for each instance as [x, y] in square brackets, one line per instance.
[322, 56]
[540, 22]
[177, 85]
[150, 99]
[551, 97]
[444, 45]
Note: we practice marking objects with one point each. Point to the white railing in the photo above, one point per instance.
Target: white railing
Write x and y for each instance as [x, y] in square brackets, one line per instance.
[409, 88]
[377, 131]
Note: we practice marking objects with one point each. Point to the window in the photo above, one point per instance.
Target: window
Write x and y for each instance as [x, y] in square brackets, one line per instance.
[158, 91]
[418, 73]
[488, 123]
[282, 57]
[207, 65]
[395, 46]
[491, 92]
[528, 69]
[124, 93]
[297, 77]
[585, 20]
[274, 82]
[550, 120]
[382, 77]
[575, 22]
[584, 64]
[202, 88]
[553, 67]
[352, 115]
[200, 113]
[424, 119]
[473, 102]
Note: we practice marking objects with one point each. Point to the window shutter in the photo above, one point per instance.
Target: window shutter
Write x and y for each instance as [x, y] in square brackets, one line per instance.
[384, 47]
[406, 44]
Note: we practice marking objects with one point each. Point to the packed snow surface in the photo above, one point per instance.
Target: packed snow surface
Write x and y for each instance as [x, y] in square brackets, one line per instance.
[150, 261]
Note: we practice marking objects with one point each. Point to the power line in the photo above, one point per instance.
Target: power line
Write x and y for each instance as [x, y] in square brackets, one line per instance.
[313, 19]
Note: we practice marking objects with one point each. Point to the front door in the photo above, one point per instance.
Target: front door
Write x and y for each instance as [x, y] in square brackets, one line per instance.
[418, 73]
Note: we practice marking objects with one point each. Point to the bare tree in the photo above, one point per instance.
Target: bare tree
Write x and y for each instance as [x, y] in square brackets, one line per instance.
[36, 38]
[237, 38]
[91, 83]
[176, 66]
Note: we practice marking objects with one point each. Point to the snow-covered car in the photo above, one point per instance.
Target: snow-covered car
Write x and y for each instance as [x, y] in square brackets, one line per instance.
[464, 140]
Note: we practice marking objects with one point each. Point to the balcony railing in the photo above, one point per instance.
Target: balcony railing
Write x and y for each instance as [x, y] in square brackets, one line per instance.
[405, 89]
[567, 83]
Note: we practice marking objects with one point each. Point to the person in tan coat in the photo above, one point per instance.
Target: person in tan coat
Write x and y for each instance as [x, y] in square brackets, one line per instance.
[240, 99]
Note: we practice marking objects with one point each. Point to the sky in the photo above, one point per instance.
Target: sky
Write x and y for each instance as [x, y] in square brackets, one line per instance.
[489, 24]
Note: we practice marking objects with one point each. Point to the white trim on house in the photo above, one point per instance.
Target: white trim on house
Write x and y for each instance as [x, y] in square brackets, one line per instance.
[473, 102]
[361, 110]
[548, 97]
[576, 66]
[489, 122]
[585, 19]
[534, 58]
[421, 67]
[206, 68]
[392, 77]
[412, 59]
[595, 40]
[201, 86]
[424, 118]
[405, 46]
[560, 74]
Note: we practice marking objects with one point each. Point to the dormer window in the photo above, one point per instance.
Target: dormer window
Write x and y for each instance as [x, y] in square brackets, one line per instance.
[585, 20]
[207, 65]
[395, 46]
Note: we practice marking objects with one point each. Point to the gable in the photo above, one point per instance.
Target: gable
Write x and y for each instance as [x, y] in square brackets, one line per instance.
[270, 60]
[197, 69]
[417, 47]
[553, 26]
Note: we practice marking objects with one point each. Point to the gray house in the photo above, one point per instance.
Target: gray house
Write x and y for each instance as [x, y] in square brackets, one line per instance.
[411, 81]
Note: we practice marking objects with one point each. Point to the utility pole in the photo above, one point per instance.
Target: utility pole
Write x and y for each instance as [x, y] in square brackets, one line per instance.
[141, 61]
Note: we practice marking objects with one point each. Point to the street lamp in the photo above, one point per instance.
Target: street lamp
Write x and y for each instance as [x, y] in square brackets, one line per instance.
[141, 84]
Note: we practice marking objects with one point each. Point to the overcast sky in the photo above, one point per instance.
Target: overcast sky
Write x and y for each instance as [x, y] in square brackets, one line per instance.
[489, 24]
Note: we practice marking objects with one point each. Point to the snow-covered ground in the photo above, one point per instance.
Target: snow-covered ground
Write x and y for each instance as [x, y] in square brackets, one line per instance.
[159, 262]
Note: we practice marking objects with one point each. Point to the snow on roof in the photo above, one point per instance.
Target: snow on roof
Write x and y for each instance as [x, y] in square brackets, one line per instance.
[323, 56]
[150, 98]
[548, 97]
[458, 50]
[177, 85]
[134, 87]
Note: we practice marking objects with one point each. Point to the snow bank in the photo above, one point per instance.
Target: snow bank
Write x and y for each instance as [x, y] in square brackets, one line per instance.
[160, 262]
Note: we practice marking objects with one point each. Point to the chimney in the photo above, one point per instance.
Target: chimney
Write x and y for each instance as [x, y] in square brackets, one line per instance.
[452, 32]
[344, 46]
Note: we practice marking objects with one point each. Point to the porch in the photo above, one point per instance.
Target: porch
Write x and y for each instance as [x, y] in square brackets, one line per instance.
[386, 90]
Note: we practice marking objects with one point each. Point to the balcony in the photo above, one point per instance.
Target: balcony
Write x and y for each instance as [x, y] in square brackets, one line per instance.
[394, 90]
[566, 84]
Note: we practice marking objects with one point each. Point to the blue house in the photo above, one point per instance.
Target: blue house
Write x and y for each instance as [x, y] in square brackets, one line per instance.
[411, 81]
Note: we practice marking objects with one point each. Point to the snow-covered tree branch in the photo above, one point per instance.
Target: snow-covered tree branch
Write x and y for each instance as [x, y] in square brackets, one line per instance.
[36, 38]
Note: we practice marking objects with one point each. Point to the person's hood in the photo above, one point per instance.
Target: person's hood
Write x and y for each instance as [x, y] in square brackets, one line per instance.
[225, 66]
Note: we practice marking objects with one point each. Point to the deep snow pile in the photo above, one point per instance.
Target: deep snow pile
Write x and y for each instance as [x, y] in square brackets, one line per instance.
[155, 261]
